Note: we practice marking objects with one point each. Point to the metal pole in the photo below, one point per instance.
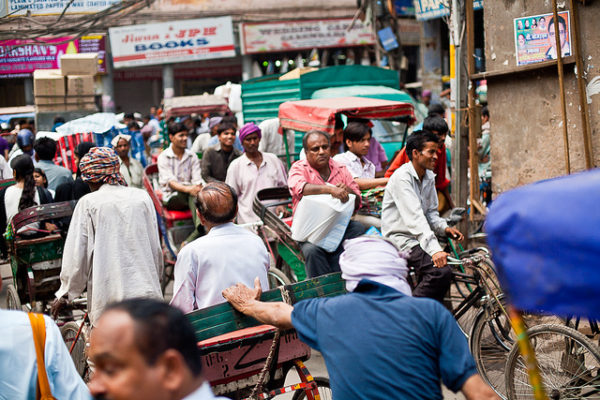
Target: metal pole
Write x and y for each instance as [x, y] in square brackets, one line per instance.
[374, 27]
[473, 158]
[561, 83]
[585, 119]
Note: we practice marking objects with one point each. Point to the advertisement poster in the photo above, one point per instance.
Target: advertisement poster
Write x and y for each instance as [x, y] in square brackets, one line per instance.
[534, 37]
[172, 42]
[19, 58]
[302, 35]
[430, 9]
[15, 8]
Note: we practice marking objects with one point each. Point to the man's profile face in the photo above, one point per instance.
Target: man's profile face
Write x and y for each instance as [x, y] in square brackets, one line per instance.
[250, 143]
[122, 148]
[121, 370]
[427, 157]
[318, 151]
[361, 147]
[179, 139]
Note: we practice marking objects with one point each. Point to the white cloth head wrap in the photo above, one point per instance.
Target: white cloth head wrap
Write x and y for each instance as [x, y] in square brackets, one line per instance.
[120, 136]
[376, 259]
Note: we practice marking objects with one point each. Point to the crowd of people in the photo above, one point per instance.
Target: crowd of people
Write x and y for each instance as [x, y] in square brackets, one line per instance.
[113, 252]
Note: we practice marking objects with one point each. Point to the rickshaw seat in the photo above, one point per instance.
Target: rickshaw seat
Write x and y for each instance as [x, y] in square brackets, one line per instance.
[236, 335]
[172, 215]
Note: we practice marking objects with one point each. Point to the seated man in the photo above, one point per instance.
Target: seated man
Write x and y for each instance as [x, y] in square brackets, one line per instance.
[131, 169]
[145, 350]
[437, 125]
[357, 139]
[226, 255]
[413, 344]
[319, 174]
[410, 218]
[179, 175]
[217, 159]
[45, 150]
[253, 171]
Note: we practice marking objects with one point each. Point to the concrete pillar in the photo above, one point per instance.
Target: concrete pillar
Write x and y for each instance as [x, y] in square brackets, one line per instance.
[246, 67]
[108, 86]
[28, 88]
[168, 81]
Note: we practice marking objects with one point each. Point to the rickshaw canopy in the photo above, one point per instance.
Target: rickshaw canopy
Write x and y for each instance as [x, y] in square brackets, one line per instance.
[186, 105]
[304, 115]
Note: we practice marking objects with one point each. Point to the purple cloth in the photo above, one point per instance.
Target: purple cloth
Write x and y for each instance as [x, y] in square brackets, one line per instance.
[3, 145]
[376, 154]
[249, 129]
[214, 121]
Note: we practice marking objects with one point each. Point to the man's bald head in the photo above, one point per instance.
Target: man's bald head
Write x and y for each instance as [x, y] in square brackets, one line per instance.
[217, 202]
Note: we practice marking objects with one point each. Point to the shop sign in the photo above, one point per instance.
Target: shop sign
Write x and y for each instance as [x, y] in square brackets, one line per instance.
[14, 8]
[19, 58]
[225, 68]
[172, 42]
[302, 35]
[430, 9]
[535, 40]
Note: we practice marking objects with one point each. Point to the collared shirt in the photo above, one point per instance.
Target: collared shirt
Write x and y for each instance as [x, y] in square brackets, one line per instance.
[355, 165]
[226, 255]
[18, 376]
[441, 182]
[185, 171]
[215, 162]
[204, 392]
[55, 174]
[132, 173]
[376, 154]
[112, 248]
[302, 173]
[412, 343]
[247, 179]
[409, 214]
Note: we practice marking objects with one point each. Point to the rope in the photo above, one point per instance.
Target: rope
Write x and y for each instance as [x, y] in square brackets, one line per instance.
[285, 296]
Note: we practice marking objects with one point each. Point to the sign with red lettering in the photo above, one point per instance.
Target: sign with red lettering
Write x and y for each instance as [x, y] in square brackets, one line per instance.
[172, 42]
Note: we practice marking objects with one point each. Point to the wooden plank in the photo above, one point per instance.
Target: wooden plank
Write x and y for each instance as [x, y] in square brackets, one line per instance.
[521, 68]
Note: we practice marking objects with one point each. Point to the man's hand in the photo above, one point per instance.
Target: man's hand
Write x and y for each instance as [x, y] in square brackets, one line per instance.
[194, 190]
[282, 210]
[240, 295]
[440, 259]
[454, 233]
[339, 192]
[57, 305]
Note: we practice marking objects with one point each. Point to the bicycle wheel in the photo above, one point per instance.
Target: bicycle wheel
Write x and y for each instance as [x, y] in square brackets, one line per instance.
[490, 341]
[277, 278]
[78, 349]
[569, 365]
[322, 386]
[13, 302]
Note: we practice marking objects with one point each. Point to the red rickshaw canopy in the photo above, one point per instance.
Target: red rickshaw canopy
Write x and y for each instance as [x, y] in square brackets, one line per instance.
[304, 115]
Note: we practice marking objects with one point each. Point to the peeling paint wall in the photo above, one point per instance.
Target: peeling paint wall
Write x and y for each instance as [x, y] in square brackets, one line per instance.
[525, 110]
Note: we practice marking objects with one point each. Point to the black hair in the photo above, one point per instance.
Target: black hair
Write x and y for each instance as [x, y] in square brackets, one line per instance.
[339, 124]
[59, 120]
[314, 132]
[485, 112]
[435, 123]
[45, 148]
[133, 125]
[23, 167]
[83, 148]
[176, 127]
[215, 210]
[230, 119]
[355, 132]
[42, 173]
[435, 109]
[417, 141]
[561, 20]
[160, 327]
[129, 116]
[224, 126]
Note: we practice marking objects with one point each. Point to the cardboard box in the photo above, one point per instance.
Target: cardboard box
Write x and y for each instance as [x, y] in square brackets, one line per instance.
[57, 107]
[81, 106]
[48, 82]
[79, 64]
[80, 85]
[49, 100]
[75, 103]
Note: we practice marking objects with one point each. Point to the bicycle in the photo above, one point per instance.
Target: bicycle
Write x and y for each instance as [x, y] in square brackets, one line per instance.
[75, 334]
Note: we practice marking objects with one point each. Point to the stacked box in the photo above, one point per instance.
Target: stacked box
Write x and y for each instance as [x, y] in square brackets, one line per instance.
[80, 92]
[79, 64]
[49, 90]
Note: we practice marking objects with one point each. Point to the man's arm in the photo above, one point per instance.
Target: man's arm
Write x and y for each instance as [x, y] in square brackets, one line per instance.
[366, 183]
[244, 299]
[475, 388]
[184, 281]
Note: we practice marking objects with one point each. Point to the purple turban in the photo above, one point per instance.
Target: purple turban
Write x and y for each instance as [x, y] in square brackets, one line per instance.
[249, 129]
[214, 121]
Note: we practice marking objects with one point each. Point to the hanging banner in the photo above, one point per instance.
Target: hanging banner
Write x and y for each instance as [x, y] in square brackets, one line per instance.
[19, 58]
[172, 42]
[14, 8]
[430, 9]
[302, 35]
[535, 39]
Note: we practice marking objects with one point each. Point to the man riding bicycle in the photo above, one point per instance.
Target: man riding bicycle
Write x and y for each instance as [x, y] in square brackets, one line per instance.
[411, 220]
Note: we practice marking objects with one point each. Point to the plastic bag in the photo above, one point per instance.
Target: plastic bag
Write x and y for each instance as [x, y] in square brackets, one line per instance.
[322, 220]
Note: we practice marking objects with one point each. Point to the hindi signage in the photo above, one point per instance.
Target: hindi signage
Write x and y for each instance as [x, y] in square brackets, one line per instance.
[14, 8]
[535, 39]
[172, 42]
[430, 9]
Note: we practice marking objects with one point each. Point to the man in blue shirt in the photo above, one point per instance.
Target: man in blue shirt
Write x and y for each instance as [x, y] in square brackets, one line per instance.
[378, 341]
[45, 150]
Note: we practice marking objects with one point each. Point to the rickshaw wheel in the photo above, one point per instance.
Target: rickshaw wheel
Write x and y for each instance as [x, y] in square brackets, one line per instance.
[78, 354]
[13, 302]
[277, 278]
[322, 386]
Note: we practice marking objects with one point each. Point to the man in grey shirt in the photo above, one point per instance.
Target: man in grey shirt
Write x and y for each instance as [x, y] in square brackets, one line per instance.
[45, 150]
[410, 217]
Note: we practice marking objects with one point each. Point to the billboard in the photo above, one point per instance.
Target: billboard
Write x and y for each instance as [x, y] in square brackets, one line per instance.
[430, 9]
[535, 39]
[172, 42]
[19, 58]
[301, 35]
[14, 8]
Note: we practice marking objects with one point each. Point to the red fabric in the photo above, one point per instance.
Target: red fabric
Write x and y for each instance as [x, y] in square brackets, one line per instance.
[302, 173]
[439, 170]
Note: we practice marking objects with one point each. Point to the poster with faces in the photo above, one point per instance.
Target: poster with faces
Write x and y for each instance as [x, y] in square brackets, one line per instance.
[535, 37]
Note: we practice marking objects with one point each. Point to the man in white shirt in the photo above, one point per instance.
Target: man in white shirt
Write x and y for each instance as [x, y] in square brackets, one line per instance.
[411, 220]
[131, 169]
[227, 254]
[252, 171]
[112, 247]
[146, 350]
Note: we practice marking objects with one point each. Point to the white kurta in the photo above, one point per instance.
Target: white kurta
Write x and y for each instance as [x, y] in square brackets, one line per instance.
[113, 248]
